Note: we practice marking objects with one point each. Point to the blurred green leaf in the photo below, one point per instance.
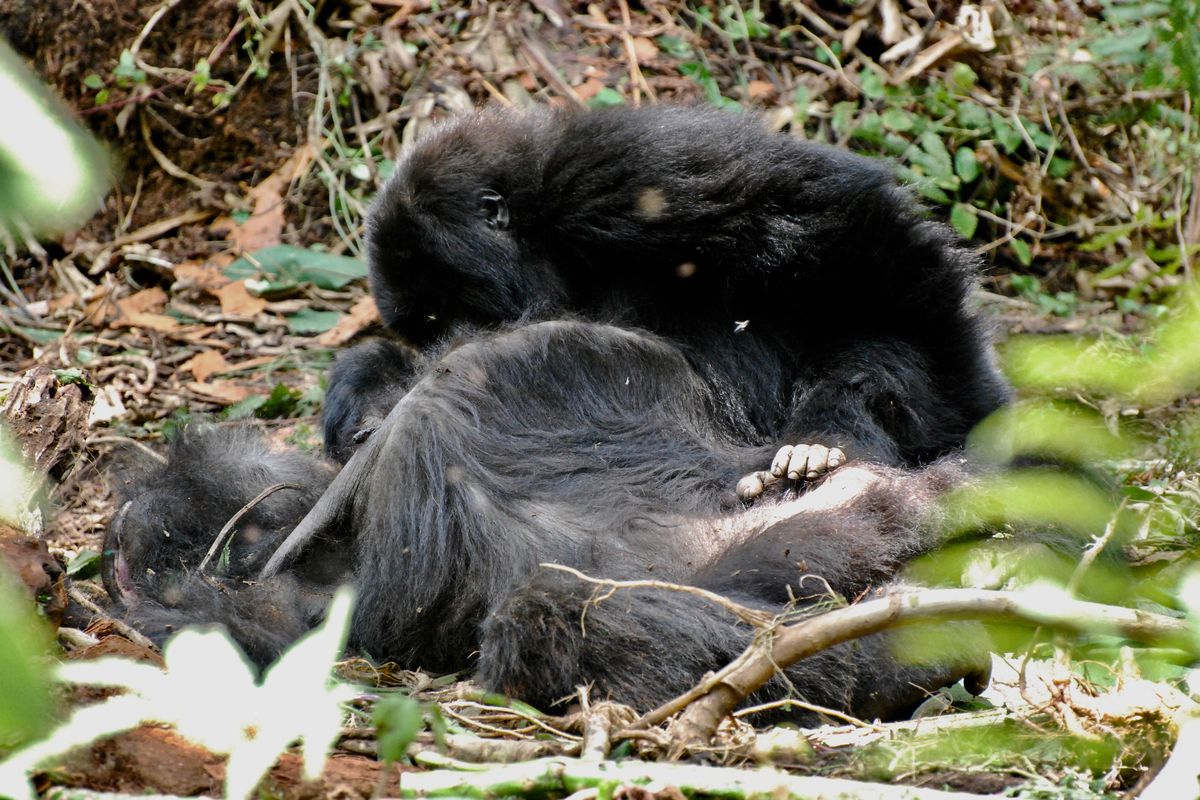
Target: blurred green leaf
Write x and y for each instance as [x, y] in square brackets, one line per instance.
[607, 97]
[1021, 251]
[963, 77]
[86, 564]
[964, 220]
[966, 165]
[312, 321]
[285, 266]
[398, 720]
[1065, 431]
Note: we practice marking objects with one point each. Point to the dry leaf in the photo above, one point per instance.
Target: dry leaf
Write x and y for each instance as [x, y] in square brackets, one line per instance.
[205, 364]
[68, 300]
[154, 322]
[251, 363]
[225, 392]
[645, 49]
[236, 299]
[147, 300]
[361, 314]
[205, 276]
[264, 227]
[759, 89]
[589, 89]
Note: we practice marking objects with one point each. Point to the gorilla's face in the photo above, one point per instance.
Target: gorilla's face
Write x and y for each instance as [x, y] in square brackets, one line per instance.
[445, 236]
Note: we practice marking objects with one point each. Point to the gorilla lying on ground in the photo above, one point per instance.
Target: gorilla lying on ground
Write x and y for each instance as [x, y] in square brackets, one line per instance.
[616, 315]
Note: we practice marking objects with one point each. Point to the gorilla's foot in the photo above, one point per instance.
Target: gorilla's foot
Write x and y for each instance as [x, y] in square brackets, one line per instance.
[796, 463]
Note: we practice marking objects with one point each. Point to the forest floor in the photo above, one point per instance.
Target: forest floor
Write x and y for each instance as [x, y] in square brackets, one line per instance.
[242, 127]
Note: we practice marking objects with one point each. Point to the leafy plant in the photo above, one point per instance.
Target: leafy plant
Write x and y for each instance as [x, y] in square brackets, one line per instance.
[210, 694]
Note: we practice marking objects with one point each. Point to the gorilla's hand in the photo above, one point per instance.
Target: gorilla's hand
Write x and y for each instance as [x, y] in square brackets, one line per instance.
[797, 463]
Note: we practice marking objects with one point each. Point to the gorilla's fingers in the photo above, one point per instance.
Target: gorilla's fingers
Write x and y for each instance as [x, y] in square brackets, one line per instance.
[798, 465]
[798, 462]
[779, 464]
[751, 486]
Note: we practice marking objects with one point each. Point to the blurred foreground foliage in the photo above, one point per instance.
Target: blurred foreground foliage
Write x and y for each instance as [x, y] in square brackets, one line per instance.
[1110, 432]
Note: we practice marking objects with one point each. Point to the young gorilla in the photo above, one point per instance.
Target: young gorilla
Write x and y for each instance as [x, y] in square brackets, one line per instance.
[799, 281]
[617, 315]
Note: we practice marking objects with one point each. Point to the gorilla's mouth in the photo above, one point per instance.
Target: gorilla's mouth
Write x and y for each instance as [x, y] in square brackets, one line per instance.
[114, 569]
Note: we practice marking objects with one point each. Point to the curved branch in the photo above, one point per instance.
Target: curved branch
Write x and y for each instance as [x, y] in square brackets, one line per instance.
[717, 696]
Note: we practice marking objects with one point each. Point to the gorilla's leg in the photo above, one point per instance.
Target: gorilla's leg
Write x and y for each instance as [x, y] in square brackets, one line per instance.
[558, 441]
[643, 647]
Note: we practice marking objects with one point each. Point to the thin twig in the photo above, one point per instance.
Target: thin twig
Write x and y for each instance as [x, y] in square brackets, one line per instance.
[120, 627]
[227, 531]
[751, 616]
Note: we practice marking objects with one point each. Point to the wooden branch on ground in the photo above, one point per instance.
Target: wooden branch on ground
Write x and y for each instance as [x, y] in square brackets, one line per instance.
[720, 693]
[565, 776]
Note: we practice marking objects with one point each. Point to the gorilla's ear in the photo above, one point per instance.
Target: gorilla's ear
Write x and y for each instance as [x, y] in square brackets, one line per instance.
[495, 209]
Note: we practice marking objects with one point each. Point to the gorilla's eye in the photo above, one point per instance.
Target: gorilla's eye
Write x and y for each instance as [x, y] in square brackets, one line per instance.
[495, 210]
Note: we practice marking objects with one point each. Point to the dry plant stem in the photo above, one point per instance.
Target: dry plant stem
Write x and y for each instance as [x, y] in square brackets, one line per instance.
[759, 619]
[119, 626]
[93, 441]
[566, 776]
[791, 643]
[597, 730]
[227, 531]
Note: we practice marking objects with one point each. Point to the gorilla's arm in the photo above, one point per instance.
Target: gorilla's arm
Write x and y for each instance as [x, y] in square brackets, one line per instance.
[364, 383]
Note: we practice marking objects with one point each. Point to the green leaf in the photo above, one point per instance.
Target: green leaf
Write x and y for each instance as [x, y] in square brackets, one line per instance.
[962, 77]
[398, 720]
[606, 98]
[311, 321]
[285, 266]
[973, 117]
[93, 81]
[871, 83]
[966, 165]
[924, 186]
[1022, 252]
[674, 46]
[244, 409]
[25, 711]
[964, 220]
[939, 162]
[127, 71]
[800, 100]
[201, 75]
[85, 565]
[281, 403]
[72, 375]
[1060, 167]
[1008, 137]
[897, 119]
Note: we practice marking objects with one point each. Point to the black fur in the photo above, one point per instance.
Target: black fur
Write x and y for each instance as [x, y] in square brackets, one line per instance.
[364, 383]
[618, 314]
[170, 515]
[857, 326]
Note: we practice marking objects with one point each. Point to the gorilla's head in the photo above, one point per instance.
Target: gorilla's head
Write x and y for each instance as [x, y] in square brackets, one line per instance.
[448, 237]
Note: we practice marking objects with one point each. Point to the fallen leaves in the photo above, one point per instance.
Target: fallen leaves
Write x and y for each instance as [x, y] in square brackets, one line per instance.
[361, 315]
[236, 300]
[205, 364]
[264, 226]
